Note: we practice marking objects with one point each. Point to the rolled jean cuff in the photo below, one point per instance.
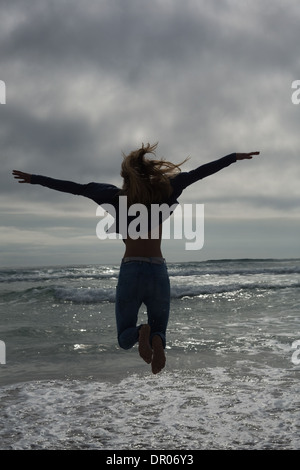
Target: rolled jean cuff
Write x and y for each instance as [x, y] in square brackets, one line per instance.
[162, 336]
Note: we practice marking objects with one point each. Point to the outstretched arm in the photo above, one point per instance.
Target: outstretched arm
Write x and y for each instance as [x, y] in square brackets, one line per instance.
[99, 192]
[57, 185]
[212, 167]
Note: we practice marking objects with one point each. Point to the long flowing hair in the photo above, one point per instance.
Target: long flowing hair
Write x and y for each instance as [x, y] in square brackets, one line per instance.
[147, 181]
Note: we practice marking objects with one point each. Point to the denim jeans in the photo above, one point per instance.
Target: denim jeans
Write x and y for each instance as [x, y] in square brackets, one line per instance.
[142, 282]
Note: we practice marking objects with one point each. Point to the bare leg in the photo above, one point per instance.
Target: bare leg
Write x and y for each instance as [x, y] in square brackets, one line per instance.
[159, 358]
[145, 349]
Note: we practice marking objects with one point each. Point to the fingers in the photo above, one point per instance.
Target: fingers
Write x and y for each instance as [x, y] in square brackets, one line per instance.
[17, 173]
[242, 156]
[20, 175]
[250, 154]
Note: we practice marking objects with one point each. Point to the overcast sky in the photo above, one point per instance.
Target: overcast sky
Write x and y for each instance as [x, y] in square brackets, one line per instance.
[86, 81]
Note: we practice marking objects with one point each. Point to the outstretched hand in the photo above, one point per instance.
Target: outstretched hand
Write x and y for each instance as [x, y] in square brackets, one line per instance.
[23, 177]
[243, 156]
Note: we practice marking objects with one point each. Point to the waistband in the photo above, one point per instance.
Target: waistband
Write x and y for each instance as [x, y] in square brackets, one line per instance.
[153, 260]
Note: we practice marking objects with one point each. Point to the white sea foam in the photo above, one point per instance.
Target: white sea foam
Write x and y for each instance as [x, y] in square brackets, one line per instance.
[202, 409]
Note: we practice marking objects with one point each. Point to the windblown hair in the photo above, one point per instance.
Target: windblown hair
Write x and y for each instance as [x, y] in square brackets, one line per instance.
[147, 181]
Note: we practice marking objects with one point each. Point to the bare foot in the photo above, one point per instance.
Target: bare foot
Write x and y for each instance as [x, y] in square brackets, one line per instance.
[145, 350]
[159, 358]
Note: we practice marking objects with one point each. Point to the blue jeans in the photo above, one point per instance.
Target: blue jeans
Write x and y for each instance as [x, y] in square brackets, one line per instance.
[142, 282]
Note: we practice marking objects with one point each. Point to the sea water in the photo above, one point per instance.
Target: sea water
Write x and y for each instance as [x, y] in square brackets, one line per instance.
[231, 379]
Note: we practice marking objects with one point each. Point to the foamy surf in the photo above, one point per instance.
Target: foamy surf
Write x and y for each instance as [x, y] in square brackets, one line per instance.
[210, 408]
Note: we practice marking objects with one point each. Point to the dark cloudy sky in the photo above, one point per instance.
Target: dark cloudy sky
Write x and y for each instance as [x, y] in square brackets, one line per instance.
[88, 80]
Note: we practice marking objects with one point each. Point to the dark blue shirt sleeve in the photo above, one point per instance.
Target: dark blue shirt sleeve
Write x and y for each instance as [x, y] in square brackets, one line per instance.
[98, 192]
[184, 179]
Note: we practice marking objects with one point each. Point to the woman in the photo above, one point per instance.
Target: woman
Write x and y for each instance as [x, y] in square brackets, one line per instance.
[143, 276]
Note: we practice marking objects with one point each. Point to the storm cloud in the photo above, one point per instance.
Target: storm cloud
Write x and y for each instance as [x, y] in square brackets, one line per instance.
[86, 81]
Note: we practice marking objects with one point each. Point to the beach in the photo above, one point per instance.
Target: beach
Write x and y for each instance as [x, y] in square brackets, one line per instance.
[231, 379]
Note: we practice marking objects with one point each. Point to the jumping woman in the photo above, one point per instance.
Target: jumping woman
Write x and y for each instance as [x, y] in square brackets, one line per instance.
[143, 276]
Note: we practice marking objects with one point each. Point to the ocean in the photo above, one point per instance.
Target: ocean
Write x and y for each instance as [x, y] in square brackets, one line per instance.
[231, 380]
